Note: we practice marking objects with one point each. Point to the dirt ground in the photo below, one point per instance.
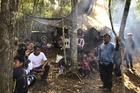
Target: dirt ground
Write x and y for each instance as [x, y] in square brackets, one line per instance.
[62, 84]
[86, 85]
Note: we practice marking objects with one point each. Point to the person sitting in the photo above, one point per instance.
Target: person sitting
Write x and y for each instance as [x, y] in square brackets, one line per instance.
[30, 48]
[92, 62]
[38, 63]
[19, 75]
[84, 67]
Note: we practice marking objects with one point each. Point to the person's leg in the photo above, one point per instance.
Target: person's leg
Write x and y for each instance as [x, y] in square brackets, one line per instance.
[115, 70]
[131, 61]
[119, 70]
[127, 60]
[87, 73]
[102, 73]
[81, 71]
[36, 70]
[109, 70]
[46, 72]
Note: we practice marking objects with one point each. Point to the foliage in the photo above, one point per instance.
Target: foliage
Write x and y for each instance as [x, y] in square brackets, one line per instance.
[43, 8]
[138, 5]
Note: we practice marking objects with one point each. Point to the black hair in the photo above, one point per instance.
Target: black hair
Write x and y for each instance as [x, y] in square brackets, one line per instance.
[107, 35]
[27, 40]
[21, 49]
[37, 46]
[20, 58]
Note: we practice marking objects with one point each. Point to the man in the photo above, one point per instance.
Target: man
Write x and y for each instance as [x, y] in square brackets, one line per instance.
[117, 59]
[106, 62]
[39, 60]
[129, 49]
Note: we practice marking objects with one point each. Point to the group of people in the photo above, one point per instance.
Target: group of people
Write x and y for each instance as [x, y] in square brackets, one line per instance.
[108, 60]
[28, 61]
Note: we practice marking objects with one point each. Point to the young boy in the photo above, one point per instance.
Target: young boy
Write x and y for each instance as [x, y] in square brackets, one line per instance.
[19, 75]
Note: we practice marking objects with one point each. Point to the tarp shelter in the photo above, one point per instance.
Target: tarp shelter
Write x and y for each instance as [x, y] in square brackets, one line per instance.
[90, 13]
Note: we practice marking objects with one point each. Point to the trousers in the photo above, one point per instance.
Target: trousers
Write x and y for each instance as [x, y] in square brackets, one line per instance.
[106, 74]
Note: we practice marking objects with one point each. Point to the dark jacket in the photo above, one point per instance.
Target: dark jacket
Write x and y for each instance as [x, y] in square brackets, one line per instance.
[19, 76]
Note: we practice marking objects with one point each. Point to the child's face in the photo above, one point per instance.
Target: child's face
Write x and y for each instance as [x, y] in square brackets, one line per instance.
[17, 63]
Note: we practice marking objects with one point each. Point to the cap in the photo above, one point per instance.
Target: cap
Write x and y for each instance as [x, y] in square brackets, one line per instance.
[129, 34]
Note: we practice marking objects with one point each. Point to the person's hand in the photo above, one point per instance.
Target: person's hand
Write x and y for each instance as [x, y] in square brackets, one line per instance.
[27, 53]
[42, 63]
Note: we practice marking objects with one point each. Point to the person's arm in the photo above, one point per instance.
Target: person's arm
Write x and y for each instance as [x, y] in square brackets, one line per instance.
[83, 43]
[44, 59]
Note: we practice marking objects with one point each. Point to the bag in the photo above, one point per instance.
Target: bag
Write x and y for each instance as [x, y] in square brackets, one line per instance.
[31, 79]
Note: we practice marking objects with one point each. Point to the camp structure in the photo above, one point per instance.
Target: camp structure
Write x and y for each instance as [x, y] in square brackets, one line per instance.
[86, 14]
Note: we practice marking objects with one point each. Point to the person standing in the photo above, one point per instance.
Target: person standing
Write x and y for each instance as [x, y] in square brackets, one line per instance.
[106, 50]
[19, 75]
[117, 59]
[129, 50]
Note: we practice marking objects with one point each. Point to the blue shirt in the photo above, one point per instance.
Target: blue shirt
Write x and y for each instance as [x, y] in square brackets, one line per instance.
[106, 53]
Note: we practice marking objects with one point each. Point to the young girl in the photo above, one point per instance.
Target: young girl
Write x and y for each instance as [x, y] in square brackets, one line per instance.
[85, 67]
[19, 75]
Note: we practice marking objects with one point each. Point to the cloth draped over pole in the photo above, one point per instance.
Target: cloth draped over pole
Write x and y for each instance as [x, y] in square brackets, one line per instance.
[83, 7]
[46, 21]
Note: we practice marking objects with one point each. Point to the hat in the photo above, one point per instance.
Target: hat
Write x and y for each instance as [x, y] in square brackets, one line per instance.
[129, 34]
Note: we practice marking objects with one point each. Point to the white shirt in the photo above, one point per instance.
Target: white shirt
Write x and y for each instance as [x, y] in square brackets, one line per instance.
[36, 60]
[80, 42]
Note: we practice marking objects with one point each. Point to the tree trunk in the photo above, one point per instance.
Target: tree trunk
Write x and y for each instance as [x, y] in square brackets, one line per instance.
[124, 19]
[73, 32]
[7, 22]
[121, 32]
[110, 17]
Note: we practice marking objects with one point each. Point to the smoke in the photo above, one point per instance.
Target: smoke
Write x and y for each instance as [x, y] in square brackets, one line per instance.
[133, 21]
[133, 25]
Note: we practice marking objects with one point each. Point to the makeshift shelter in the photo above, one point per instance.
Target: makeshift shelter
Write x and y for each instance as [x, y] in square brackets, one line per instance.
[84, 15]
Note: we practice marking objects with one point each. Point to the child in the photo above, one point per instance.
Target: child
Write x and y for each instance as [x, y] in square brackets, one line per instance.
[19, 75]
[85, 67]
